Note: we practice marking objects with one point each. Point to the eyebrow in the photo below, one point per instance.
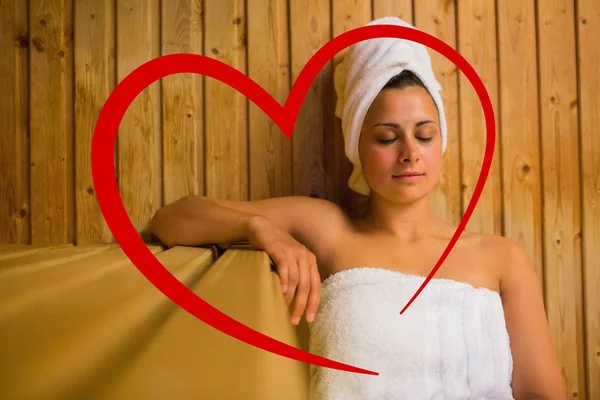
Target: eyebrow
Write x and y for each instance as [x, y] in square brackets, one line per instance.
[397, 126]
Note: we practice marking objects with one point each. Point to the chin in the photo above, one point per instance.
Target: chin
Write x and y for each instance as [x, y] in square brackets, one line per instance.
[405, 196]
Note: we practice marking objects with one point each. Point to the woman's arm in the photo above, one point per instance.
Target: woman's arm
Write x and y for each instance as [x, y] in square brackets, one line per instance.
[196, 219]
[536, 372]
[268, 224]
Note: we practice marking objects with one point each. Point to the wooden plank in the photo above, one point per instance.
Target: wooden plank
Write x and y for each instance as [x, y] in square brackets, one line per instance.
[51, 118]
[19, 293]
[182, 103]
[187, 358]
[226, 110]
[94, 80]
[438, 18]
[560, 177]
[345, 15]
[15, 224]
[519, 129]
[139, 166]
[18, 250]
[102, 326]
[270, 151]
[402, 9]
[588, 29]
[477, 43]
[33, 262]
[310, 30]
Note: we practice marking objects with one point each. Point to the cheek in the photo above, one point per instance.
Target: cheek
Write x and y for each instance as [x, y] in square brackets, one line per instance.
[378, 159]
[432, 158]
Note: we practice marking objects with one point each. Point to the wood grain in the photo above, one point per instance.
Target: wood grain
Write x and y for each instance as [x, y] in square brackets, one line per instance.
[588, 62]
[226, 110]
[15, 223]
[51, 119]
[309, 32]
[519, 129]
[402, 9]
[94, 80]
[438, 18]
[140, 131]
[561, 188]
[477, 44]
[270, 151]
[182, 103]
[346, 15]
[539, 61]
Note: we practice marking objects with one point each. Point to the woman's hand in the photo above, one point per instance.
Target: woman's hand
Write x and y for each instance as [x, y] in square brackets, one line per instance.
[296, 266]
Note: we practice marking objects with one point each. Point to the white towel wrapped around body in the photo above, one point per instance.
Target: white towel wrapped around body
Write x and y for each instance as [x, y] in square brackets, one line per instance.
[451, 343]
[363, 72]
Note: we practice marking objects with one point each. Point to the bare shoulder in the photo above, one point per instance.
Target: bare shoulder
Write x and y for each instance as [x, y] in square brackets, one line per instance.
[504, 260]
[512, 262]
[505, 255]
[509, 260]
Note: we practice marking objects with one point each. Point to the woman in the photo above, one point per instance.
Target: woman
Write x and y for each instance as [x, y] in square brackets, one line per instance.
[478, 330]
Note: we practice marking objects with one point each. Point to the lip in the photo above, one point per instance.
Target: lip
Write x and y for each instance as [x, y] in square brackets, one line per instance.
[411, 176]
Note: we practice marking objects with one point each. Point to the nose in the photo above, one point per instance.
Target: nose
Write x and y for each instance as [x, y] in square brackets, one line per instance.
[409, 151]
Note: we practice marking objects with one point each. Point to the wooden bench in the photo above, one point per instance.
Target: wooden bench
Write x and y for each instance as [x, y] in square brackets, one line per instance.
[83, 322]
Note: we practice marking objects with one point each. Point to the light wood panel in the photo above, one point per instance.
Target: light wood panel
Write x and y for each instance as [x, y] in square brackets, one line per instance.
[270, 151]
[402, 9]
[182, 102]
[519, 129]
[181, 136]
[477, 44]
[226, 133]
[561, 189]
[588, 60]
[94, 80]
[310, 30]
[51, 121]
[345, 15]
[139, 140]
[15, 224]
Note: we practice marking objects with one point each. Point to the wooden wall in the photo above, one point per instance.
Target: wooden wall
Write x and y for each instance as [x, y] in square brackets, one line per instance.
[189, 134]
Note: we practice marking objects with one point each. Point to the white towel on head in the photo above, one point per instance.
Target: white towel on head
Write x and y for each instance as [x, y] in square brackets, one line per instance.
[365, 69]
[451, 343]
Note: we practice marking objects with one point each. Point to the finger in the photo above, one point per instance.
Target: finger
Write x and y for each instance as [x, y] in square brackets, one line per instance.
[302, 290]
[282, 264]
[315, 294]
[292, 279]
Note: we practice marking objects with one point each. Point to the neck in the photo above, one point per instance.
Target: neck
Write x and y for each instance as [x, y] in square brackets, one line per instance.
[405, 221]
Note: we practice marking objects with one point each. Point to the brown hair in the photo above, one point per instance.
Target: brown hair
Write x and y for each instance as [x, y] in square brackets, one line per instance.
[404, 79]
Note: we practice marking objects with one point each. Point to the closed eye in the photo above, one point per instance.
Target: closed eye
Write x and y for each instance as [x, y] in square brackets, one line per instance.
[389, 141]
[386, 141]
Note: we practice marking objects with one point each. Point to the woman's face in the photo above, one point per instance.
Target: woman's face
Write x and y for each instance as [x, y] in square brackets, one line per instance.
[400, 136]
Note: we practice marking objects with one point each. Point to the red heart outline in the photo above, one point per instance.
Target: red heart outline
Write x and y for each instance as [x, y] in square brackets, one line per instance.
[113, 210]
